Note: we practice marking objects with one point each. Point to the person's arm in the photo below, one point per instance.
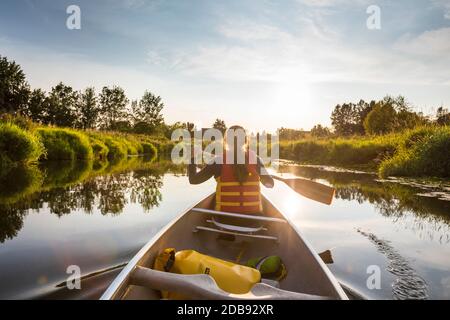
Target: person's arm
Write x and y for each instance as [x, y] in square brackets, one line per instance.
[266, 178]
[201, 176]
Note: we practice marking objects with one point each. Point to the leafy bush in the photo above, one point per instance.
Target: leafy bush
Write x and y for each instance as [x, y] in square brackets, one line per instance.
[18, 120]
[65, 144]
[99, 148]
[18, 146]
[423, 152]
[149, 149]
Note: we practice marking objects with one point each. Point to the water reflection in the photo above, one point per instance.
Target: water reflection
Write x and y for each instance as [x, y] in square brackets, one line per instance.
[63, 187]
[398, 201]
[96, 215]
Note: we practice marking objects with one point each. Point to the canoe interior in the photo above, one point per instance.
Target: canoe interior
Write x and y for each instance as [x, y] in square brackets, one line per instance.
[305, 273]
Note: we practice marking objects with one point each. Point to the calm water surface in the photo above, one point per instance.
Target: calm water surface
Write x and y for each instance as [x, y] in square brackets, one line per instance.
[98, 215]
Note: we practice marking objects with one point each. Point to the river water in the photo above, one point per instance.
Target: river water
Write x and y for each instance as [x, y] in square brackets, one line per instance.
[389, 239]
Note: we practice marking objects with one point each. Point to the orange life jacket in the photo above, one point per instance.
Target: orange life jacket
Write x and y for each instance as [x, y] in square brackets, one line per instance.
[233, 196]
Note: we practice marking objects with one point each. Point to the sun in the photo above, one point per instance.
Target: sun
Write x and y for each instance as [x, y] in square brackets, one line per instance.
[292, 96]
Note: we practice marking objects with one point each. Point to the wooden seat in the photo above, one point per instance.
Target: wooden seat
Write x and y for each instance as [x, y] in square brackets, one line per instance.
[238, 215]
[230, 227]
[235, 229]
[245, 235]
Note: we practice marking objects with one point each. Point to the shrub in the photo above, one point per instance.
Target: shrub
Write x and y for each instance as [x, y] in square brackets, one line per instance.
[18, 146]
[116, 149]
[359, 151]
[149, 149]
[99, 148]
[65, 144]
[311, 151]
[423, 152]
[18, 120]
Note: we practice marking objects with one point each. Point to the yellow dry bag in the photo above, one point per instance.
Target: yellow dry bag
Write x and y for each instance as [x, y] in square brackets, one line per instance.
[230, 277]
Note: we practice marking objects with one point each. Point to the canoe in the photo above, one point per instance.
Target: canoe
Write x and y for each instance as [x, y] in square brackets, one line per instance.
[229, 237]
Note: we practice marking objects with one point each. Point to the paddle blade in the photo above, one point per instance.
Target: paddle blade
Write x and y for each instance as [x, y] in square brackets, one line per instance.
[326, 257]
[312, 190]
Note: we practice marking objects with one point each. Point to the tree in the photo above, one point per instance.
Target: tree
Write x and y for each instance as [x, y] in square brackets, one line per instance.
[220, 125]
[348, 119]
[121, 125]
[14, 90]
[319, 131]
[189, 126]
[113, 103]
[62, 104]
[405, 117]
[382, 119]
[147, 113]
[170, 128]
[442, 116]
[88, 109]
[291, 134]
[362, 110]
[37, 107]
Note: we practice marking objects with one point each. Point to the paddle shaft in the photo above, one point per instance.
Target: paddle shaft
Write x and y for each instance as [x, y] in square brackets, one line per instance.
[310, 189]
[204, 287]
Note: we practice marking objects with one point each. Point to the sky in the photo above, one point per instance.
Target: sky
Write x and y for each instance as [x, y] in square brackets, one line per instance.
[263, 64]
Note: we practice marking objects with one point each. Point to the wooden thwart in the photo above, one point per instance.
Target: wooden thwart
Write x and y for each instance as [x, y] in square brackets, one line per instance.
[235, 228]
[238, 215]
[255, 236]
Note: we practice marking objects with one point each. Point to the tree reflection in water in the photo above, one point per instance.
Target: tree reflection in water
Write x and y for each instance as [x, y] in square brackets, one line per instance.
[429, 217]
[64, 187]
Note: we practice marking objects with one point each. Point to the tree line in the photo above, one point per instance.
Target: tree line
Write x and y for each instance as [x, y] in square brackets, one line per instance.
[391, 114]
[110, 109]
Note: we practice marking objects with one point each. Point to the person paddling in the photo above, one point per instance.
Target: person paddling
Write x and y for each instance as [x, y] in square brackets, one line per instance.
[238, 172]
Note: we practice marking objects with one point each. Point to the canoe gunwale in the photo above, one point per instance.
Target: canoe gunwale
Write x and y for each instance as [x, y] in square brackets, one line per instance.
[123, 278]
[121, 282]
[339, 290]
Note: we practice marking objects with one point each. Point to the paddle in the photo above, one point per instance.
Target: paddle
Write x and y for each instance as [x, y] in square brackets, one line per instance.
[326, 257]
[309, 189]
[204, 287]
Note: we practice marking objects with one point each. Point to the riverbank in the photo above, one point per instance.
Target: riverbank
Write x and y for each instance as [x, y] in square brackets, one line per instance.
[423, 151]
[25, 143]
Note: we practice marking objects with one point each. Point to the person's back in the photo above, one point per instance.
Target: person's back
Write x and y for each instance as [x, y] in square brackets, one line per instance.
[238, 173]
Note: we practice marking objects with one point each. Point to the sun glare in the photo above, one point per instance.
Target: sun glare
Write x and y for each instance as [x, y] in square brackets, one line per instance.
[292, 204]
[292, 96]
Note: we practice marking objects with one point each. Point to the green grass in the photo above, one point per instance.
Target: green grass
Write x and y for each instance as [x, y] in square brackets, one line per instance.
[116, 148]
[149, 149]
[366, 152]
[99, 148]
[423, 151]
[121, 145]
[22, 141]
[18, 146]
[65, 144]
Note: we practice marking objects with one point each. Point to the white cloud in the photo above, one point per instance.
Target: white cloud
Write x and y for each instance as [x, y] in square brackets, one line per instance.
[432, 43]
[259, 52]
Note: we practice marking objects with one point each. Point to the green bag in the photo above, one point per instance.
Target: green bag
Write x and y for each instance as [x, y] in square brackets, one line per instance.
[270, 267]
